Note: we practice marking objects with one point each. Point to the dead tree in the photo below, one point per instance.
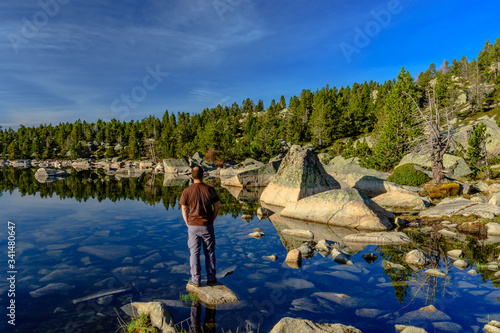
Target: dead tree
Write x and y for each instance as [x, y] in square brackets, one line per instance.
[435, 116]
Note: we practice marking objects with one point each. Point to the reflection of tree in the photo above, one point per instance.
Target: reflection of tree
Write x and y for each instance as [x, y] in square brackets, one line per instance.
[84, 185]
[399, 276]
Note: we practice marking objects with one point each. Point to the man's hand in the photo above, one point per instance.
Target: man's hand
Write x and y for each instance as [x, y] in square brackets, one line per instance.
[185, 214]
[216, 210]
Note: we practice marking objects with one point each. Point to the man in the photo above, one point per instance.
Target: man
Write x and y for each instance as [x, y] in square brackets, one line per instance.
[200, 206]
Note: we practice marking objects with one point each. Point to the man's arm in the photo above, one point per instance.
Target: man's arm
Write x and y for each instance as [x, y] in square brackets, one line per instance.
[185, 214]
[216, 210]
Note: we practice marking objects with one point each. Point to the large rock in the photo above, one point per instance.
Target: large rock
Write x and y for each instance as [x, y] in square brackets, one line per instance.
[493, 229]
[300, 175]
[293, 325]
[463, 207]
[399, 199]
[373, 186]
[340, 168]
[180, 165]
[217, 294]
[462, 134]
[253, 177]
[378, 238]
[454, 166]
[158, 312]
[343, 207]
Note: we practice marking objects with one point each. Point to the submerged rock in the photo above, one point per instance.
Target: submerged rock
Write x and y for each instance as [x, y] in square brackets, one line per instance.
[293, 325]
[342, 207]
[341, 258]
[52, 289]
[300, 175]
[378, 238]
[298, 233]
[109, 252]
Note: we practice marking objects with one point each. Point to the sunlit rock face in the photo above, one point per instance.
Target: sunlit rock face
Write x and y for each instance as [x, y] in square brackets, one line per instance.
[300, 175]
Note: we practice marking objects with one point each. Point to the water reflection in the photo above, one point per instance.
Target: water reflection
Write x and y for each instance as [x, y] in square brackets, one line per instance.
[109, 251]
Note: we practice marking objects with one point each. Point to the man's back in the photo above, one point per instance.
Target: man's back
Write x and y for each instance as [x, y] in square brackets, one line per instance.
[199, 199]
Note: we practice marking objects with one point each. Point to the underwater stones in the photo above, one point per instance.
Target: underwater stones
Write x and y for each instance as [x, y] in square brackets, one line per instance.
[217, 294]
[158, 312]
[409, 329]
[154, 258]
[298, 233]
[378, 238]
[52, 289]
[370, 257]
[300, 175]
[293, 325]
[342, 207]
[460, 264]
[324, 245]
[294, 258]
[341, 258]
[417, 258]
[109, 252]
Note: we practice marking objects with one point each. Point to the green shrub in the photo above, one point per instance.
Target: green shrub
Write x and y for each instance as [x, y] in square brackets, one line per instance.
[406, 174]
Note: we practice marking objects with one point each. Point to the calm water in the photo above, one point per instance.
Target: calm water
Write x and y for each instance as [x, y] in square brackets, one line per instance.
[85, 243]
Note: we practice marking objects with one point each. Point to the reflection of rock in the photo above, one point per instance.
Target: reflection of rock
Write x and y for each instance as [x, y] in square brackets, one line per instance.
[176, 180]
[343, 207]
[320, 231]
[298, 233]
[292, 325]
[300, 175]
[217, 294]
[158, 312]
[45, 175]
[243, 195]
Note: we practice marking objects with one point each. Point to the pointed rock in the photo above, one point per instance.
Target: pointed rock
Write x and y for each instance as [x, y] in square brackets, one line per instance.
[300, 175]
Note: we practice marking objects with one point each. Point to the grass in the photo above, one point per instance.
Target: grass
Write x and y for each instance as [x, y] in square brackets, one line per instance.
[188, 298]
[140, 324]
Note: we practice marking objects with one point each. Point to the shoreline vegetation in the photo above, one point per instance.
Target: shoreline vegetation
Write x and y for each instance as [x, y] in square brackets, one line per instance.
[330, 119]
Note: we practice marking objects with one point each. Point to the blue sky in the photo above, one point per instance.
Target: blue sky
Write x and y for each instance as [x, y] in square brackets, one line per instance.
[63, 60]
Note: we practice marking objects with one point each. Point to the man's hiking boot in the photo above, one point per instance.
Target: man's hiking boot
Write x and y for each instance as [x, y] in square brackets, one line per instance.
[211, 283]
[190, 282]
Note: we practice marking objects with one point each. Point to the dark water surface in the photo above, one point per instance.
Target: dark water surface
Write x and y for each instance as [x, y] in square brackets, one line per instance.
[98, 240]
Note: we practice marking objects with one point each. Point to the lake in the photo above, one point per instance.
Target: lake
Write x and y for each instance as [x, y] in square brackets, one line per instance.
[93, 233]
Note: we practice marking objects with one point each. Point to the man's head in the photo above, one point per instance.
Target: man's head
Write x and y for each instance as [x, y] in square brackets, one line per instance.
[197, 173]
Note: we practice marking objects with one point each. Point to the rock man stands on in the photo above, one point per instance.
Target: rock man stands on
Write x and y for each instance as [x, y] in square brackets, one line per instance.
[200, 206]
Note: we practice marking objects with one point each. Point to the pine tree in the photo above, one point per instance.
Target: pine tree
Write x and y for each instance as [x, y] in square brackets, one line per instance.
[397, 126]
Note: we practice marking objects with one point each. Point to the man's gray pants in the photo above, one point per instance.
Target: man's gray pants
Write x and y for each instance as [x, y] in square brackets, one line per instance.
[198, 235]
